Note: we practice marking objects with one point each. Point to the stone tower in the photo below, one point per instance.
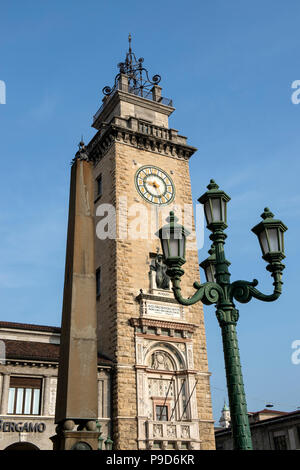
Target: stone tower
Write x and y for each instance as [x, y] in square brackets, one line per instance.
[160, 386]
[225, 417]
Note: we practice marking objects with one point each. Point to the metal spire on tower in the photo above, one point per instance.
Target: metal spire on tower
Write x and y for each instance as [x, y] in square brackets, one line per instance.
[129, 40]
[139, 82]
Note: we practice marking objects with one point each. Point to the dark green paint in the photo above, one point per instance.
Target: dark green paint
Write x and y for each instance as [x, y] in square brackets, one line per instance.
[222, 293]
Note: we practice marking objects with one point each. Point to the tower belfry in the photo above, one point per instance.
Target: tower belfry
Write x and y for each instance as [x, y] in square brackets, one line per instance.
[225, 416]
[136, 78]
[160, 384]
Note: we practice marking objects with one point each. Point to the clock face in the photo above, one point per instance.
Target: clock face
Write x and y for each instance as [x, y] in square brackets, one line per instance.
[154, 185]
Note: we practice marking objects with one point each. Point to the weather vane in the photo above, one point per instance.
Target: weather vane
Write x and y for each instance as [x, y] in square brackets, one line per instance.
[139, 82]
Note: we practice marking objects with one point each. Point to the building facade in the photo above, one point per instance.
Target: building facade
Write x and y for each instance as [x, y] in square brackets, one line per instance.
[270, 430]
[152, 351]
[28, 380]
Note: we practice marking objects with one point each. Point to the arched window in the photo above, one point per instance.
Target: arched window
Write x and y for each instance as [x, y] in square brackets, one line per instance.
[167, 386]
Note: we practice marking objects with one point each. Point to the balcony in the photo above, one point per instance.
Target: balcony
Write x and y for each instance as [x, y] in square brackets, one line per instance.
[179, 431]
[155, 131]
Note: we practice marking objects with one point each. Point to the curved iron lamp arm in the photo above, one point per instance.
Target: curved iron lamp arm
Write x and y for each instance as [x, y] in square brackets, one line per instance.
[243, 291]
[209, 293]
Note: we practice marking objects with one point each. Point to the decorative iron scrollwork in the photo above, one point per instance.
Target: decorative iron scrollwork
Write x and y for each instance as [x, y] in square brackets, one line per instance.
[107, 90]
[208, 293]
[139, 82]
[243, 291]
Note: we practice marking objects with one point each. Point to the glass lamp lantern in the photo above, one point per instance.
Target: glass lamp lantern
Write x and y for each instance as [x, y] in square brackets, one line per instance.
[100, 438]
[108, 444]
[173, 239]
[270, 233]
[215, 205]
[209, 265]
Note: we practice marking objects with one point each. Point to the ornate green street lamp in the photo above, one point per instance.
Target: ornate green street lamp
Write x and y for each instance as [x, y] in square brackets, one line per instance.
[220, 291]
[100, 438]
[108, 444]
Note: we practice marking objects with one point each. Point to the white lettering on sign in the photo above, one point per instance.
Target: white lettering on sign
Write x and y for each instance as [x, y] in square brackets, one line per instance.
[10, 426]
[157, 309]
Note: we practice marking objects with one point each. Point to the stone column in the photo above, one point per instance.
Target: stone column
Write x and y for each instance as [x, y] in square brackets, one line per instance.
[1, 382]
[156, 93]
[46, 397]
[123, 82]
[107, 398]
[293, 438]
[76, 399]
[4, 395]
[134, 124]
[100, 398]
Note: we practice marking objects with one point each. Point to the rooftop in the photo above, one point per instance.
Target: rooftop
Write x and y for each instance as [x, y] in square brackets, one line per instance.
[30, 327]
[280, 416]
[267, 411]
[35, 350]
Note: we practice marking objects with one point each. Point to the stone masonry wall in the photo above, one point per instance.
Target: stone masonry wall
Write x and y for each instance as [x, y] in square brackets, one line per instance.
[124, 266]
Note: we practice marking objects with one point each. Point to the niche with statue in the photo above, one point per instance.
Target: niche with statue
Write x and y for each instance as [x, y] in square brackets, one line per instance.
[160, 283]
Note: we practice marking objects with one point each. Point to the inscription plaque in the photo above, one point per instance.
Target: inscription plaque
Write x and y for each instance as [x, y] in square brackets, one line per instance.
[165, 310]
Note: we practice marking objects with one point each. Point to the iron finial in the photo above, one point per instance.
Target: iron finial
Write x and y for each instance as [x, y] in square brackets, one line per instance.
[81, 154]
[139, 82]
[81, 143]
[129, 40]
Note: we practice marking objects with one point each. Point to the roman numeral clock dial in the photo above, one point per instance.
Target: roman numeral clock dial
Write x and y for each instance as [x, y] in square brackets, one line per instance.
[154, 185]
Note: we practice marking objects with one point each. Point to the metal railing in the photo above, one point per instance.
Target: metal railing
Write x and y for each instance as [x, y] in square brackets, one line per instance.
[182, 430]
[152, 130]
[148, 95]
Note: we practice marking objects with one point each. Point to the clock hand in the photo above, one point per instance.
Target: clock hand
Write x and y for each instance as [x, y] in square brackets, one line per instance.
[155, 185]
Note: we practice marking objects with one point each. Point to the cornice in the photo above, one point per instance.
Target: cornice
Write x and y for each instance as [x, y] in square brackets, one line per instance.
[30, 363]
[39, 363]
[112, 133]
[162, 338]
[110, 104]
[166, 372]
[157, 298]
[173, 325]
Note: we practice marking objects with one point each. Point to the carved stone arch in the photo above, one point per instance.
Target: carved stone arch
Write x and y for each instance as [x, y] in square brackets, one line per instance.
[169, 354]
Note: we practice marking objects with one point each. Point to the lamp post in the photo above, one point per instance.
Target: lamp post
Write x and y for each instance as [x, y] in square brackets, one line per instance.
[100, 438]
[220, 291]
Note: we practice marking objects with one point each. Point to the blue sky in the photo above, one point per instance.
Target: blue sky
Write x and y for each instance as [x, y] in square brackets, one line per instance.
[228, 66]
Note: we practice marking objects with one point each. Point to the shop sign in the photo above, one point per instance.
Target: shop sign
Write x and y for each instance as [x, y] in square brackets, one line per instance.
[12, 426]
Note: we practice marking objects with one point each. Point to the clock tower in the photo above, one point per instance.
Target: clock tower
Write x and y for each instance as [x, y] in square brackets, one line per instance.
[160, 384]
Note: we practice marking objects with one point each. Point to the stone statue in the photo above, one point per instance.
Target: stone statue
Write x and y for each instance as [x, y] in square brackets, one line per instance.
[162, 279]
